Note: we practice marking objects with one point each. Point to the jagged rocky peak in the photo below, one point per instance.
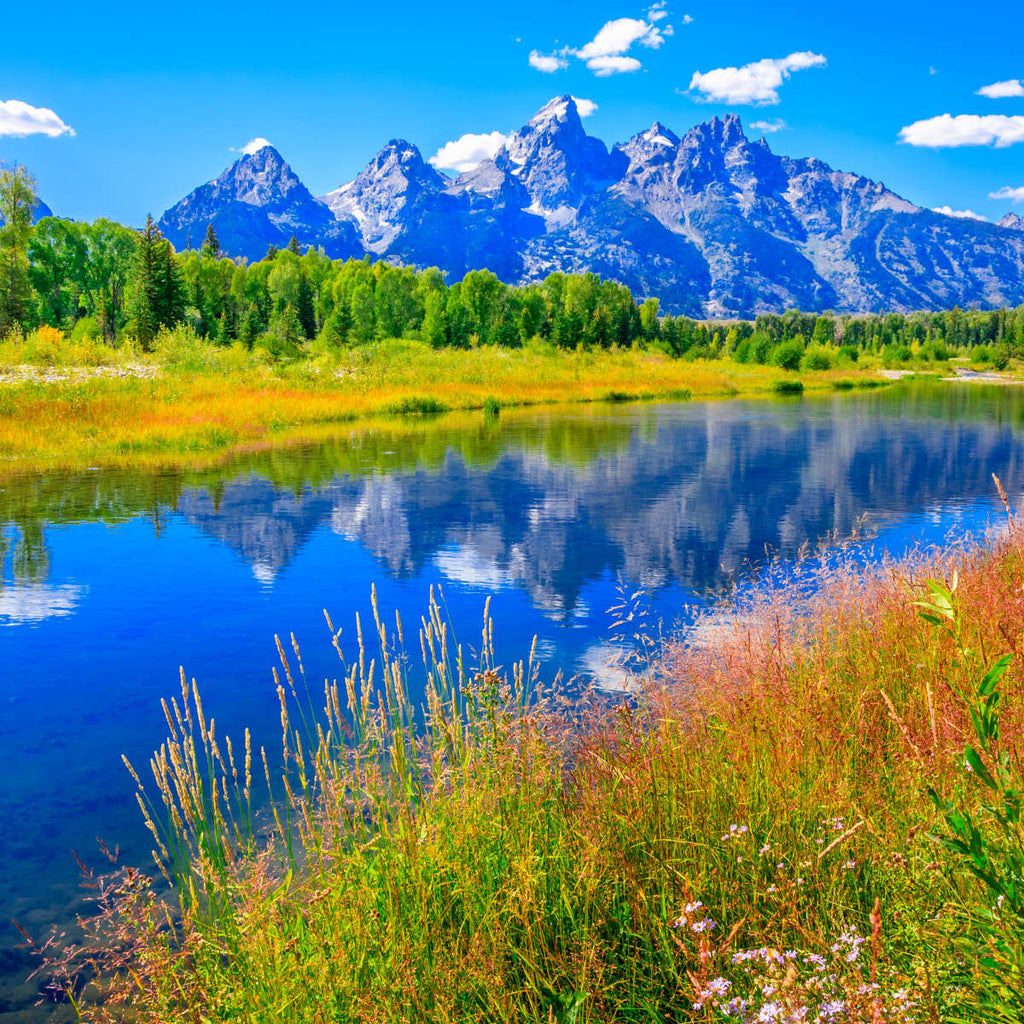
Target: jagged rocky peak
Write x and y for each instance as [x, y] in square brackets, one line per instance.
[374, 202]
[558, 163]
[402, 158]
[657, 143]
[1012, 221]
[260, 178]
[556, 113]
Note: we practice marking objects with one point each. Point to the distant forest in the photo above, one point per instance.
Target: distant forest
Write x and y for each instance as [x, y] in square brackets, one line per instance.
[108, 281]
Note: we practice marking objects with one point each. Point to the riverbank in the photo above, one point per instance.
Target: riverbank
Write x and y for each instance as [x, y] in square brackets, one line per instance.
[750, 837]
[189, 402]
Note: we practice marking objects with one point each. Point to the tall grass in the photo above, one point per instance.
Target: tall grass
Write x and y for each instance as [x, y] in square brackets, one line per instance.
[750, 837]
[66, 403]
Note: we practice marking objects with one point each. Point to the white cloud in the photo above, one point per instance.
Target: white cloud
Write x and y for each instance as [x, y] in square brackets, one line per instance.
[254, 146]
[33, 602]
[999, 130]
[948, 211]
[584, 107]
[613, 65]
[607, 53]
[468, 151]
[1015, 195]
[19, 119]
[617, 36]
[687, 19]
[756, 84]
[548, 63]
[769, 126]
[1003, 90]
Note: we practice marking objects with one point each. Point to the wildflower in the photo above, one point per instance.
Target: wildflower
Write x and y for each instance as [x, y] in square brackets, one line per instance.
[769, 1012]
[719, 986]
[692, 908]
[817, 959]
[773, 888]
[765, 849]
[735, 1007]
[831, 1010]
[850, 864]
[706, 925]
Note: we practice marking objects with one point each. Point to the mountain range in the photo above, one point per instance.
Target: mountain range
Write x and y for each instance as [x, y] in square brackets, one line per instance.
[712, 223]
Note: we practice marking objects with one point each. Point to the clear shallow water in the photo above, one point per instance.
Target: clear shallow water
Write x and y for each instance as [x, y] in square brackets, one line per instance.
[111, 580]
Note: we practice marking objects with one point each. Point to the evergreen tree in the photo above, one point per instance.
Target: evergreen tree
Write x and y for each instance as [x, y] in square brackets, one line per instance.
[143, 301]
[170, 289]
[17, 201]
[293, 245]
[304, 307]
[211, 245]
[271, 253]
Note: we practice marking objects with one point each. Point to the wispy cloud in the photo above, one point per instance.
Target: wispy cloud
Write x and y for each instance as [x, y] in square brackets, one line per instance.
[947, 131]
[1010, 89]
[467, 151]
[769, 126]
[548, 63]
[1015, 195]
[755, 84]
[613, 64]
[608, 52]
[18, 119]
[948, 211]
[252, 146]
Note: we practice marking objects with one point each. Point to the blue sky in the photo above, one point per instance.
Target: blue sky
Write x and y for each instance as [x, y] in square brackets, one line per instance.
[157, 98]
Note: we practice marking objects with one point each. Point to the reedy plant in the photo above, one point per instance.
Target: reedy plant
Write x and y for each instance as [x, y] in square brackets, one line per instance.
[983, 817]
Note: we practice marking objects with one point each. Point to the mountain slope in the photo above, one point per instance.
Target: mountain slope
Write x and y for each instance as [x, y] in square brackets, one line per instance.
[257, 202]
[711, 222]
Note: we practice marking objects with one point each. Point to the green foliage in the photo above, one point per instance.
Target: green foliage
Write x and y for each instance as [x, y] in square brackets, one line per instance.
[985, 829]
[789, 387]
[817, 357]
[17, 202]
[787, 354]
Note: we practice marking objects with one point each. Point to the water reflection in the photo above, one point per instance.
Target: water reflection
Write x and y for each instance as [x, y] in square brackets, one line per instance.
[111, 579]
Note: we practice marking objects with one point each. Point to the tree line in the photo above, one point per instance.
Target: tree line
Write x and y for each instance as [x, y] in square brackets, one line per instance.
[104, 280]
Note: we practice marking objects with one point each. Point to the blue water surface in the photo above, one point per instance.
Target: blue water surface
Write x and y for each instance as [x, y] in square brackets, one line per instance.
[111, 580]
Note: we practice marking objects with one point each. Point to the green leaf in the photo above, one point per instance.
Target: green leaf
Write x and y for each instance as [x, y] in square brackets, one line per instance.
[979, 769]
[993, 675]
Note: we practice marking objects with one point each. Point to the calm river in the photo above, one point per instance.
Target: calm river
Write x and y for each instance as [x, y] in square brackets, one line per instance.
[111, 580]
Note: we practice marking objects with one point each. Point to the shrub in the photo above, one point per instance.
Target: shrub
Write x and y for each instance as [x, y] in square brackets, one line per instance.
[789, 387]
[848, 354]
[788, 354]
[896, 355]
[817, 357]
[417, 405]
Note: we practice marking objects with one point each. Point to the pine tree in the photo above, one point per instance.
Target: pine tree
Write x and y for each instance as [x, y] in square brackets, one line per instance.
[211, 245]
[170, 289]
[293, 245]
[271, 253]
[143, 303]
[304, 307]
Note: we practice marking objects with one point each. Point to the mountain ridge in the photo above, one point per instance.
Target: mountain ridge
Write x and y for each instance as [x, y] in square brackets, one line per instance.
[711, 222]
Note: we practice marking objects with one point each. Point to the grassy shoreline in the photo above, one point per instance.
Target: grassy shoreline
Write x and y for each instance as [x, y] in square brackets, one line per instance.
[749, 837]
[190, 402]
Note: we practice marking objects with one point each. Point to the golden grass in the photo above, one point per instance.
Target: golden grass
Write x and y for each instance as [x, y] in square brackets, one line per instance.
[200, 402]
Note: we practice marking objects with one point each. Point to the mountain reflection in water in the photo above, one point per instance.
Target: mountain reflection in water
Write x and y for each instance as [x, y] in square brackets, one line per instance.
[110, 579]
